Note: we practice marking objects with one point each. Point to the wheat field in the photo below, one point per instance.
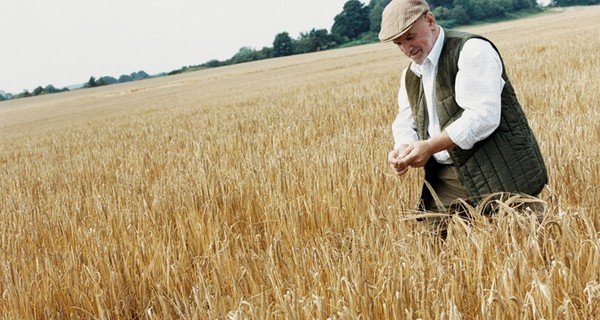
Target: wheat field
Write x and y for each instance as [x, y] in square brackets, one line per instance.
[262, 191]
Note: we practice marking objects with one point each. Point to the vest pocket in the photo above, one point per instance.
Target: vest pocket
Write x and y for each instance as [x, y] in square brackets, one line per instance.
[448, 111]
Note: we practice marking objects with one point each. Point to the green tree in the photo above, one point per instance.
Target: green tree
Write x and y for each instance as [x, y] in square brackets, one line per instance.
[140, 75]
[266, 53]
[101, 82]
[524, 4]
[246, 54]
[23, 94]
[282, 45]
[375, 10]
[314, 40]
[37, 91]
[440, 3]
[352, 21]
[496, 8]
[108, 80]
[475, 9]
[444, 17]
[459, 15]
[213, 63]
[51, 89]
[566, 3]
[91, 83]
[125, 78]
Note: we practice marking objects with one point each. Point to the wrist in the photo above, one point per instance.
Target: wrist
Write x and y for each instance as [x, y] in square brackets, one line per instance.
[440, 142]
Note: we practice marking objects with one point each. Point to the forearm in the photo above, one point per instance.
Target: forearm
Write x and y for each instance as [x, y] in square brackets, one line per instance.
[417, 154]
[440, 142]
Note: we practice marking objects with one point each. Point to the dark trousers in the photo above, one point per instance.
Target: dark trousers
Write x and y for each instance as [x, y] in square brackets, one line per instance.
[445, 188]
[443, 192]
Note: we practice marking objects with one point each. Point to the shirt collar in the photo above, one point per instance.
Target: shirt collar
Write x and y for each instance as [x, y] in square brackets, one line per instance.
[433, 57]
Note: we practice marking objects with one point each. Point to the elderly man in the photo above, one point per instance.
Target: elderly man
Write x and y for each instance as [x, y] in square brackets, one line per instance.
[458, 117]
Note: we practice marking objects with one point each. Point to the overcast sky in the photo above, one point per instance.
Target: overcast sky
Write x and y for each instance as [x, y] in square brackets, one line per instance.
[64, 42]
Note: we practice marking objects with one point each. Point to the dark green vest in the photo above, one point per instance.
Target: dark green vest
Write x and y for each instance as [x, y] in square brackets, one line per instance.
[509, 160]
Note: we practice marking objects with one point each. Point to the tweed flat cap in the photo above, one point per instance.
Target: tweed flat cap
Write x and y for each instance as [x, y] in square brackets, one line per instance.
[398, 16]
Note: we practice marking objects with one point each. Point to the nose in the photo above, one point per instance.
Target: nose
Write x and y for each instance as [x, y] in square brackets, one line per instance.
[404, 46]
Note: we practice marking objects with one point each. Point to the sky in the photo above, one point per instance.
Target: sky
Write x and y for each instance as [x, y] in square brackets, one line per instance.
[65, 42]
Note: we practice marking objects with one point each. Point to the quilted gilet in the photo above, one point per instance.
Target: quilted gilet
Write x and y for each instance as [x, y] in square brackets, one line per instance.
[509, 160]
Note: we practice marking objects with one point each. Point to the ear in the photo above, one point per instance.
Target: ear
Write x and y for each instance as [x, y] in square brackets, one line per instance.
[430, 19]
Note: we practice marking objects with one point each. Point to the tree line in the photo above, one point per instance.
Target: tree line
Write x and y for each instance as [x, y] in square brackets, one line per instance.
[91, 83]
[359, 23]
[36, 92]
[106, 80]
[356, 24]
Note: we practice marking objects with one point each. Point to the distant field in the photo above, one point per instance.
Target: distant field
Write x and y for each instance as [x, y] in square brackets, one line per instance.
[262, 191]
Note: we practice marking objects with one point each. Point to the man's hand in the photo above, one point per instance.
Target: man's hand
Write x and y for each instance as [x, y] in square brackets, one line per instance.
[420, 152]
[417, 154]
[395, 158]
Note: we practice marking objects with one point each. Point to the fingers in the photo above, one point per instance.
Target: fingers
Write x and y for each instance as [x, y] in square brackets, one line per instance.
[392, 156]
[407, 150]
[397, 163]
[398, 167]
[400, 171]
[409, 157]
[406, 156]
[418, 155]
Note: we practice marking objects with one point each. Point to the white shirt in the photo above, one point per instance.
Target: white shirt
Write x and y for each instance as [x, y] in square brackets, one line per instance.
[478, 89]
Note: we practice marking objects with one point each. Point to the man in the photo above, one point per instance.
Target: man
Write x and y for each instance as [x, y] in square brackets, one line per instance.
[459, 117]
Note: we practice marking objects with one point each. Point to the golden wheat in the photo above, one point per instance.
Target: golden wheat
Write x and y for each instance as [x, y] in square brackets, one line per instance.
[261, 191]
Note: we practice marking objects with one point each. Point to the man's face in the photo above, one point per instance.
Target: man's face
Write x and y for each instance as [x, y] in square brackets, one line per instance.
[418, 41]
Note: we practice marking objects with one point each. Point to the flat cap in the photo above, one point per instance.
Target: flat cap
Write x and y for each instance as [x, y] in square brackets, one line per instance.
[398, 16]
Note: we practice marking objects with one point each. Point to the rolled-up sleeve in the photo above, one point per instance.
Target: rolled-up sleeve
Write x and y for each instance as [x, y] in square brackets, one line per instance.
[478, 88]
[404, 129]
